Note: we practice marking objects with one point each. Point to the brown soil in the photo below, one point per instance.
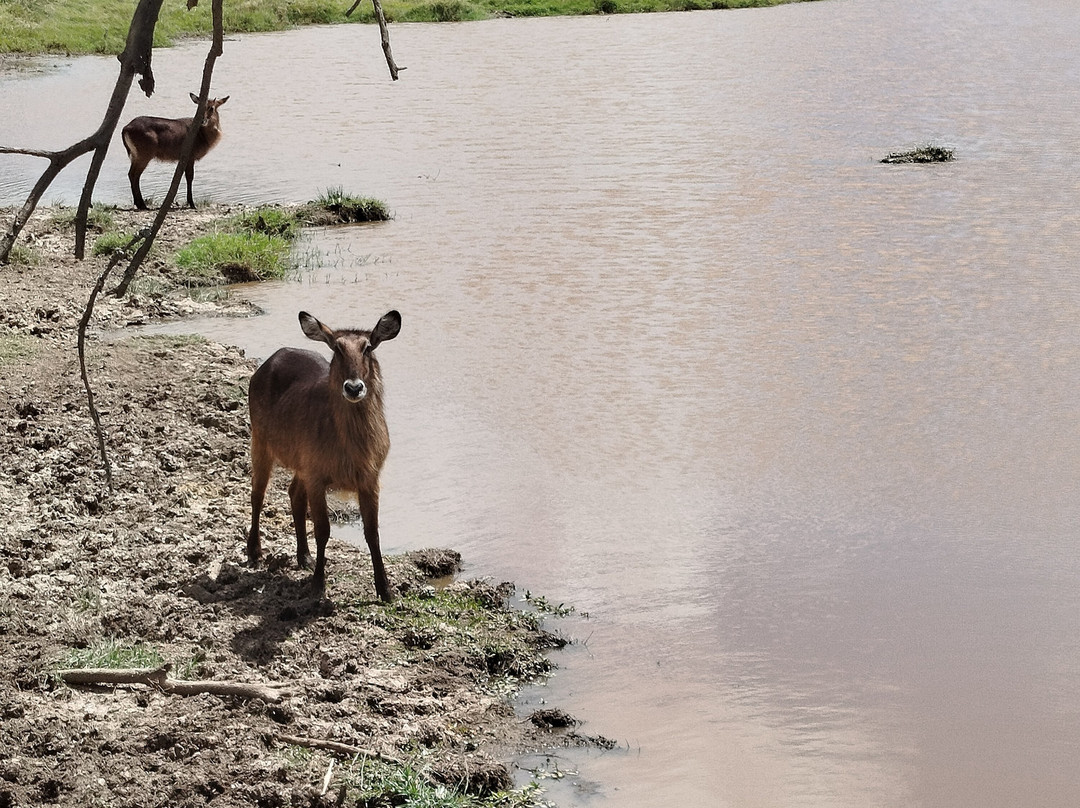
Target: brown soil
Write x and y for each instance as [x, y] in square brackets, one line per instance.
[158, 563]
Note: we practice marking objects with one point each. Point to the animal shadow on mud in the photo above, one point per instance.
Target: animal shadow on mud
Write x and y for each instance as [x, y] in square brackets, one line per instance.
[283, 603]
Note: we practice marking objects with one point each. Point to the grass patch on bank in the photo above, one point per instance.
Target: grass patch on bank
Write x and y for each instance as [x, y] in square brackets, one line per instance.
[101, 26]
[257, 245]
[99, 218]
[373, 783]
[234, 258]
[110, 243]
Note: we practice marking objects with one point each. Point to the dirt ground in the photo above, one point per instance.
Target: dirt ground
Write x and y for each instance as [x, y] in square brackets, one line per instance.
[155, 567]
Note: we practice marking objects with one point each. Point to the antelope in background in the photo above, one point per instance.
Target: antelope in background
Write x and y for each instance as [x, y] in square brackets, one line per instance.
[148, 138]
[324, 421]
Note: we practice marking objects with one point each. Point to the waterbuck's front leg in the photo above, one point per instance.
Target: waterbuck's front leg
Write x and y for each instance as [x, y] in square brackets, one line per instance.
[320, 519]
[369, 512]
[299, 501]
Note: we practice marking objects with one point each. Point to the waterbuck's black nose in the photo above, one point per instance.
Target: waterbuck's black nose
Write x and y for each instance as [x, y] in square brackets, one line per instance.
[354, 389]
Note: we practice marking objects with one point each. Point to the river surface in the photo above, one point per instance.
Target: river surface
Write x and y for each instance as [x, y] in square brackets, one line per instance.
[797, 430]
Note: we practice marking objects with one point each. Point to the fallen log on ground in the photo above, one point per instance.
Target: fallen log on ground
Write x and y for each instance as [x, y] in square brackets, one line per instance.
[159, 678]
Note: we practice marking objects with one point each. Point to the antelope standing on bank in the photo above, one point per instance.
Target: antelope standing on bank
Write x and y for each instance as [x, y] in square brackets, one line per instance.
[324, 421]
[148, 138]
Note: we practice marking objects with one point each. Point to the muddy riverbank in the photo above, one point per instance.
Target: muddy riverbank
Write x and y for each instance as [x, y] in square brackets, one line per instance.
[151, 573]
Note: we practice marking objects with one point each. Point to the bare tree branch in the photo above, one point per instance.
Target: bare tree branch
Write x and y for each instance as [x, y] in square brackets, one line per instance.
[83, 323]
[384, 32]
[344, 749]
[135, 59]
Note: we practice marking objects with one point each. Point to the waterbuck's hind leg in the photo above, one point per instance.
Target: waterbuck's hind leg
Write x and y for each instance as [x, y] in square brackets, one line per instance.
[189, 175]
[261, 466]
[299, 501]
[320, 519]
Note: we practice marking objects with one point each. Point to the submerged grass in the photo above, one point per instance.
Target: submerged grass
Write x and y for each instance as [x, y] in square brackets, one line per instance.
[100, 26]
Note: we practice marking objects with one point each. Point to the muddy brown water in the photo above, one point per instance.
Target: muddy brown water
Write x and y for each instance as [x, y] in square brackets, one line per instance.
[798, 430]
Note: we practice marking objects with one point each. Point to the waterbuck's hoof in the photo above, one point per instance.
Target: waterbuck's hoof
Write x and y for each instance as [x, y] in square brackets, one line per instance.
[303, 562]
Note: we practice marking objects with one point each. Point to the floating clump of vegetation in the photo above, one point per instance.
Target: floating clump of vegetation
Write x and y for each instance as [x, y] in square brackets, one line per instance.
[922, 154]
[334, 206]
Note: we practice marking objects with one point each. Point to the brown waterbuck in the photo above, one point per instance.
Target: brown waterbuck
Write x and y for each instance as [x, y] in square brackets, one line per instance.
[324, 421]
[148, 138]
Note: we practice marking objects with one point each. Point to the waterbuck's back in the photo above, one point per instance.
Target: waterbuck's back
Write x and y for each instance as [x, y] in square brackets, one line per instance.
[150, 138]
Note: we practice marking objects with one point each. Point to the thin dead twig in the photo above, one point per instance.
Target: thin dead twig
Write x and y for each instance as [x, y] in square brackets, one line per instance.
[344, 749]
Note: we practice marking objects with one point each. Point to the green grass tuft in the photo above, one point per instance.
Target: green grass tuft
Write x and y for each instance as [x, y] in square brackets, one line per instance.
[110, 243]
[270, 220]
[99, 218]
[22, 255]
[113, 654]
[16, 347]
[234, 257]
[334, 206]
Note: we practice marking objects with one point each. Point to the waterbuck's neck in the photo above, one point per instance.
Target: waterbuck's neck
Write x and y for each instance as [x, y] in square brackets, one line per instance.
[362, 431]
[209, 135]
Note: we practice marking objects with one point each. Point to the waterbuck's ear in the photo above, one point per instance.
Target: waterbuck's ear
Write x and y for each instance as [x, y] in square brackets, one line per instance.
[194, 97]
[222, 100]
[387, 328]
[315, 330]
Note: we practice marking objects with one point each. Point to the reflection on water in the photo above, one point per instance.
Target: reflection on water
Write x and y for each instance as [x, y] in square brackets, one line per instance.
[796, 429]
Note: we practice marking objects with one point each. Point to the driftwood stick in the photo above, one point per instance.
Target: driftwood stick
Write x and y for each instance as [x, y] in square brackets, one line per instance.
[344, 749]
[159, 678]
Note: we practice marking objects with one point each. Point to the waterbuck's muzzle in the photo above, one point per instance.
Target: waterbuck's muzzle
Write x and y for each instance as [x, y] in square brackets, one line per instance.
[354, 390]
